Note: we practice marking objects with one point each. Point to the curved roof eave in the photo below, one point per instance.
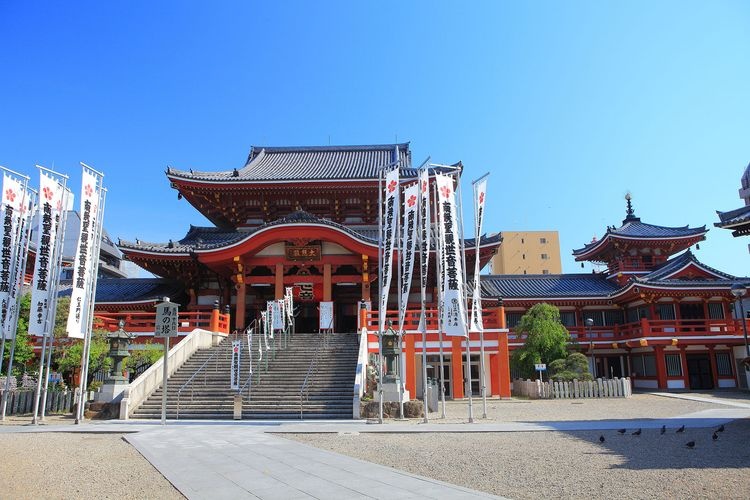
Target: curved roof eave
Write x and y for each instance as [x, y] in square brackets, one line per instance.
[582, 252]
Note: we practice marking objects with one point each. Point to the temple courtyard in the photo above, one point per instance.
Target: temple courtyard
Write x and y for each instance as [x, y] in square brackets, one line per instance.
[524, 449]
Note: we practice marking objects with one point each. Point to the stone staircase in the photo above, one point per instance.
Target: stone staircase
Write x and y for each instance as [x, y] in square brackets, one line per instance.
[275, 394]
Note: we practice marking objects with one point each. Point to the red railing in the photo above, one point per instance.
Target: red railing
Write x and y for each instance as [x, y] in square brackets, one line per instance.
[490, 319]
[145, 322]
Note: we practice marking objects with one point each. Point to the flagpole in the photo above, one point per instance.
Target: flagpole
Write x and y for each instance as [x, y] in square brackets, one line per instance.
[460, 211]
[56, 280]
[83, 385]
[17, 275]
[478, 295]
[423, 237]
[439, 301]
[2, 333]
[381, 316]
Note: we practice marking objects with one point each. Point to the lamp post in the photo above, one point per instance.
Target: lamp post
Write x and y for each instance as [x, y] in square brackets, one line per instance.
[589, 323]
[739, 291]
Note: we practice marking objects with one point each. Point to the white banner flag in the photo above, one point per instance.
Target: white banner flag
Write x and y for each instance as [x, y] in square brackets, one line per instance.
[408, 245]
[325, 320]
[389, 221]
[12, 198]
[424, 241]
[480, 190]
[49, 214]
[25, 212]
[454, 305]
[85, 263]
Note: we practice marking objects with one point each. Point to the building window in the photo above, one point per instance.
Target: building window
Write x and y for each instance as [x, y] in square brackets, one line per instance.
[613, 317]
[545, 256]
[674, 365]
[666, 311]
[715, 310]
[512, 319]
[543, 241]
[545, 271]
[568, 318]
[523, 256]
[522, 241]
[723, 364]
[644, 365]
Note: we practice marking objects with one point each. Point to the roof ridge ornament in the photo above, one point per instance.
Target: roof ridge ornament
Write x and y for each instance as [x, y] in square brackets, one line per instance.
[630, 213]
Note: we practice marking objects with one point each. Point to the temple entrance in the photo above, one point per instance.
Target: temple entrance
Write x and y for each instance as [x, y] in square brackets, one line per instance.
[699, 372]
[307, 319]
[346, 299]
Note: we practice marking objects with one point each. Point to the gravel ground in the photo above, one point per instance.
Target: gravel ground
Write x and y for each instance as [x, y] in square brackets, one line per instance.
[77, 465]
[565, 465]
[520, 410]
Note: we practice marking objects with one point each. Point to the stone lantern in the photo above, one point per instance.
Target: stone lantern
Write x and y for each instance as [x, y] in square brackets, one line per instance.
[119, 341]
[391, 353]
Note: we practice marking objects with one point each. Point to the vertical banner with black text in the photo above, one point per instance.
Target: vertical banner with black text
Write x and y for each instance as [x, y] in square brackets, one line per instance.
[408, 245]
[389, 222]
[454, 302]
[13, 197]
[480, 190]
[424, 239]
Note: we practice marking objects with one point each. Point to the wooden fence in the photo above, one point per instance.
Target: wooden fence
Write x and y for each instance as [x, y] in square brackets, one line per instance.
[599, 388]
[21, 402]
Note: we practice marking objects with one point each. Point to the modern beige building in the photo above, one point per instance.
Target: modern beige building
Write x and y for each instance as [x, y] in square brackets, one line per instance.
[527, 252]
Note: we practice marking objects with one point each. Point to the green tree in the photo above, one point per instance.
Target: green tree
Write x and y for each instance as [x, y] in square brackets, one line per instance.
[547, 339]
[68, 358]
[24, 351]
[574, 367]
[149, 355]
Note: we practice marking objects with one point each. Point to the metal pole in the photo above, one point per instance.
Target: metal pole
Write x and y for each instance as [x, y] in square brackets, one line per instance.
[42, 359]
[422, 238]
[55, 280]
[92, 293]
[381, 315]
[165, 375]
[460, 213]
[16, 275]
[478, 307]
[399, 265]
[439, 301]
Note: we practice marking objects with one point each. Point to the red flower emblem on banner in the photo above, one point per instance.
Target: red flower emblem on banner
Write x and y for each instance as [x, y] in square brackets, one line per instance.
[445, 191]
[411, 201]
[48, 194]
[391, 186]
[10, 195]
[481, 197]
[424, 186]
[59, 205]
[88, 190]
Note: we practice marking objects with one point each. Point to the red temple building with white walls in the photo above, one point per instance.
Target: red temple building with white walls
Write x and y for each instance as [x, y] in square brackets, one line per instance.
[307, 218]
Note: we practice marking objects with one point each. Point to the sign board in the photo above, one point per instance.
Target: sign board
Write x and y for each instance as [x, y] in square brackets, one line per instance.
[305, 252]
[540, 367]
[166, 320]
[326, 316]
[235, 372]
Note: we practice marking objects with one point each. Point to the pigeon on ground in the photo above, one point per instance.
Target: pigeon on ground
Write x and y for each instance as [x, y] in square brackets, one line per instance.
[601, 438]
[663, 429]
[622, 431]
[681, 429]
[690, 444]
[715, 436]
[721, 428]
[637, 433]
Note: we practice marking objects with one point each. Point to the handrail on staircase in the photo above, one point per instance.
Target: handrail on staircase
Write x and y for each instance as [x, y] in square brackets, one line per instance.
[304, 390]
[199, 370]
[250, 330]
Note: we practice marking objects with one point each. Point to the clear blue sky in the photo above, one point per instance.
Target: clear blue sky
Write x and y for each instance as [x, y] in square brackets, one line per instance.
[568, 104]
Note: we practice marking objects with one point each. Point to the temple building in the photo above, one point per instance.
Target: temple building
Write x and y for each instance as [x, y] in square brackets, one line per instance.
[307, 218]
[656, 313]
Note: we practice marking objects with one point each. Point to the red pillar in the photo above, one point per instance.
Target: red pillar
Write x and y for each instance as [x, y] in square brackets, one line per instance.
[661, 367]
[503, 365]
[683, 361]
[714, 370]
[457, 372]
[411, 369]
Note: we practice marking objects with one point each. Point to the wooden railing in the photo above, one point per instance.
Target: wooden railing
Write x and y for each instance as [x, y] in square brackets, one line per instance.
[650, 328]
[145, 322]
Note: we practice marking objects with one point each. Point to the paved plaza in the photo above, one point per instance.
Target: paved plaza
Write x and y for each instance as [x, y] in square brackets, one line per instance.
[347, 459]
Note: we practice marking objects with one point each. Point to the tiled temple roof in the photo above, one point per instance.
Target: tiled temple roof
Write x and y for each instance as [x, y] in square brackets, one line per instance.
[738, 216]
[641, 230]
[677, 263]
[309, 163]
[547, 285]
[129, 289]
[208, 238]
